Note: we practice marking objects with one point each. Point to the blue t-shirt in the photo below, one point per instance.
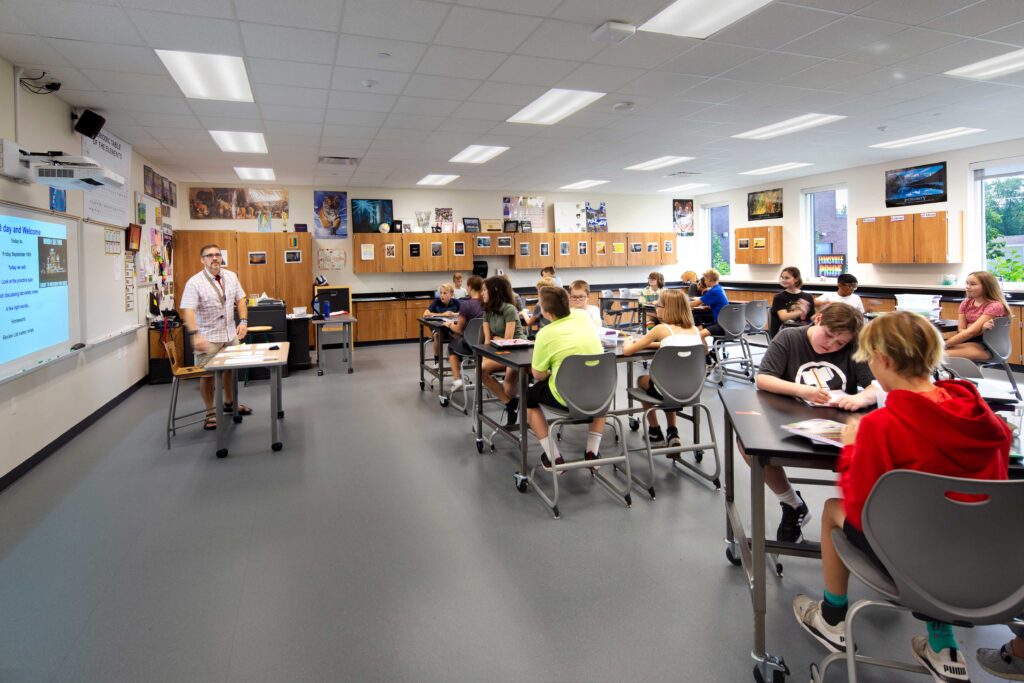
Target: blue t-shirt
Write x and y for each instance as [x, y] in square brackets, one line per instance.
[714, 299]
[438, 306]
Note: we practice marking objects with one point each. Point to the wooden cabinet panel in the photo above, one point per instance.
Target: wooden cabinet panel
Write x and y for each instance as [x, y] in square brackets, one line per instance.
[899, 242]
[616, 248]
[878, 304]
[379, 320]
[950, 310]
[459, 247]
[934, 240]
[424, 252]
[760, 244]
[505, 245]
[574, 249]
[532, 251]
[483, 245]
[294, 278]
[1017, 335]
[186, 261]
[669, 244]
[644, 249]
[255, 263]
[563, 246]
[414, 310]
[871, 231]
[387, 253]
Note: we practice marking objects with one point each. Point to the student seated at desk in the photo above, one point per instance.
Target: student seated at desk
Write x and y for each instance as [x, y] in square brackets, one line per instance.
[469, 308]
[649, 295]
[714, 299]
[444, 305]
[942, 428]
[501, 321]
[791, 306]
[984, 303]
[579, 294]
[460, 291]
[846, 285]
[808, 363]
[569, 334]
[549, 271]
[689, 280]
[535, 318]
[676, 329]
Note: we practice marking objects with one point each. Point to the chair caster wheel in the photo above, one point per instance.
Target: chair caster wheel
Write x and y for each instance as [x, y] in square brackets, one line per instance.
[717, 483]
[237, 419]
[698, 456]
[423, 385]
[319, 373]
[733, 559]
[521, 484]
[280, 415]
[634, 424]
[650, 492]
[222, 453]
[492, 448]
[276, 446]
[778, 569]
[479, 445]
[629, 500]
[443, 400]
[350, 371]
[555, 512]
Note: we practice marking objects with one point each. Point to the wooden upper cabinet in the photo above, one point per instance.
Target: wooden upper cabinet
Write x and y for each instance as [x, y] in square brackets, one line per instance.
[760, 244]
[871, 231]
[459, 247]
[669, 244]
[255, 263]
[899, 243]
[424, 252]
[925, 237]
[386, 256]
[294, 277]
[936, 240]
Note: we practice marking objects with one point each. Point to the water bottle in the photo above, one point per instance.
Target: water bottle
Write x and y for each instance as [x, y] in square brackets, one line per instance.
[325, 309]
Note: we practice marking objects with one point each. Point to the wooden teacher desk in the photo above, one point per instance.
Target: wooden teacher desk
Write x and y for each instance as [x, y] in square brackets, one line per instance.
[272, 356]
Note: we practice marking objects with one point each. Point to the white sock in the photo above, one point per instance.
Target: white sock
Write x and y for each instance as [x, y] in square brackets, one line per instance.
[593, 442]
[790, 498]
[545, 445]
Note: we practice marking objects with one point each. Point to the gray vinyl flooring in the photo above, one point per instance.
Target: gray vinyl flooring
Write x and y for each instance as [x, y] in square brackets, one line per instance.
[377, 546]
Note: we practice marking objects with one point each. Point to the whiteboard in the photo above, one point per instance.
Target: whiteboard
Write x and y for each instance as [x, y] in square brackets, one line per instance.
[104, 313]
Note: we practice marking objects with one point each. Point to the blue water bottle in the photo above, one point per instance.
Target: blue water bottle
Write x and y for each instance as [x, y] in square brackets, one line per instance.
[325, 309]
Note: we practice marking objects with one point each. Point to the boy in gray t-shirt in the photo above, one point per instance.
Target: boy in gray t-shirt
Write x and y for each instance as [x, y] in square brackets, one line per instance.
[791, 357]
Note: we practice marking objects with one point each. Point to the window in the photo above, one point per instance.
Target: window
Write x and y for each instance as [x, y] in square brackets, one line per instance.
[827, 209]
[1002, 200]
[721, 241]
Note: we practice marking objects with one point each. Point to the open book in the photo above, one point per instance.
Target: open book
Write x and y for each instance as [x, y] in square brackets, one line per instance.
[834, 396]
[818, 430]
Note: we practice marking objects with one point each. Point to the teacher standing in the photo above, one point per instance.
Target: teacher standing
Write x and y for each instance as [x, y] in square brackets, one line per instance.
[207, 309]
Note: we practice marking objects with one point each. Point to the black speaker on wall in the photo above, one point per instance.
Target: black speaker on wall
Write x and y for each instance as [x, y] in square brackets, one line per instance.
[89, 123]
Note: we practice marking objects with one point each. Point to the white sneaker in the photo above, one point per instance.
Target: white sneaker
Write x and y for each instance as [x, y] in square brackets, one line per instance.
[1002, 662]
[946, 666]
[457, 385]
[808, 615]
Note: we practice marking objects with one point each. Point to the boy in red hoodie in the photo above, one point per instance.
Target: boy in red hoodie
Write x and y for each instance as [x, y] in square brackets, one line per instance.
[943, 428]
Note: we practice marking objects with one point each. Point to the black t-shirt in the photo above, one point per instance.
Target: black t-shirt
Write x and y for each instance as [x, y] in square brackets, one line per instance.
[791, 357]
[784, 301]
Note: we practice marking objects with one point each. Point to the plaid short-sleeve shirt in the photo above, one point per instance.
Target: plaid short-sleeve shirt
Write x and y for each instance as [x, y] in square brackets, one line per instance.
[214, 318]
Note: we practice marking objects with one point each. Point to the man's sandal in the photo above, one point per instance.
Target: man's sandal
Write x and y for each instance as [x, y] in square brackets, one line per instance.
[210, 423]
[242, 409]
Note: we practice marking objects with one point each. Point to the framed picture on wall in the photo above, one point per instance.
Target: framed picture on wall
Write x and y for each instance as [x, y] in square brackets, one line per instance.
[510, 226]
[132, 237]
[504, 243]
[471, 224]
[483, 242]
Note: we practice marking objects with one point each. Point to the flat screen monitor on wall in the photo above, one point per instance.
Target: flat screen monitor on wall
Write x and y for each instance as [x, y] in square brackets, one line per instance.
[924, 184]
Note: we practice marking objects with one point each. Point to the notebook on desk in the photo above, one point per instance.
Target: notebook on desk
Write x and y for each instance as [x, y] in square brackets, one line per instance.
[818, 430]
[511, 343]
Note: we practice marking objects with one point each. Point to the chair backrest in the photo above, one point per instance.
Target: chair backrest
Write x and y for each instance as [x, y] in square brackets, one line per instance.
[998, 338]
[172, 356]
[678, 373]
[606, 304]
[587, 384]
[732, 320]
[636, 293]
[473, 332]
[964, 368]
[756, 313]
[951, 560]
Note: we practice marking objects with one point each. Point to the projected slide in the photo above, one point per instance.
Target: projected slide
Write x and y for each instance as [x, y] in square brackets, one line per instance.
[33, 286]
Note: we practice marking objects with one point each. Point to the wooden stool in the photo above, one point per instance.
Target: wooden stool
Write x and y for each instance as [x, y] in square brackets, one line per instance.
[180, 372]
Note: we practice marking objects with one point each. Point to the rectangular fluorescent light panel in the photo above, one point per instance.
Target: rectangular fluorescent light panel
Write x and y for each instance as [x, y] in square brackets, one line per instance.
[992, 68]
[660, 162]
[555, 105]
[789, 126]
[477, 154]
[234, 141]
[774, 169]
[700, 18]
[928, 137]
[584, 184]
[436, 179]
[208, 77]
[684, 188]
[254, 173]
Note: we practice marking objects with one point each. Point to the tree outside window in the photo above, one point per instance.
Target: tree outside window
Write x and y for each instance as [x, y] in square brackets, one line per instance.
[721, 239]
[1003, 200]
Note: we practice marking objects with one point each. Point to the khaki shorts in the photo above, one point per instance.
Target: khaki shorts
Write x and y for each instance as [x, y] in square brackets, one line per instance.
[204, 358]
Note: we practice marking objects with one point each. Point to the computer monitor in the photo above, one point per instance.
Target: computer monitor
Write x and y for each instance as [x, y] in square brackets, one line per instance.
[339, 297]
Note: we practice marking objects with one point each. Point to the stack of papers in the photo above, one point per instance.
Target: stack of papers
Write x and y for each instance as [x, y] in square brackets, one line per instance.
[820, 431]
[834, 396]
[510, 343]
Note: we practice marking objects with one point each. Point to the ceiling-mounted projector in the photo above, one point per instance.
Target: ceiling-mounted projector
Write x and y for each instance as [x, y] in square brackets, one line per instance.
[67, 172]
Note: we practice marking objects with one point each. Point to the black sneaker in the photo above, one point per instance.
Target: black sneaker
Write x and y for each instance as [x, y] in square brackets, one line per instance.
[546, 464]
[793, 518]
[512, 412]
[591, 455]
[656, 435]
[672, 435]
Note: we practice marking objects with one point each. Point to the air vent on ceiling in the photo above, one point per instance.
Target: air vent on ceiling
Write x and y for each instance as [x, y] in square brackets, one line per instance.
[338, 161]
[679, 174]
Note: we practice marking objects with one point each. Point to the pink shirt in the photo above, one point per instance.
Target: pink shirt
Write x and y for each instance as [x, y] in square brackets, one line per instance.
[972, 312]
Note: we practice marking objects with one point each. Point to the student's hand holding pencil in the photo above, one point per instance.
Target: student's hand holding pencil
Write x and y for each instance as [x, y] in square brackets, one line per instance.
[813, 394]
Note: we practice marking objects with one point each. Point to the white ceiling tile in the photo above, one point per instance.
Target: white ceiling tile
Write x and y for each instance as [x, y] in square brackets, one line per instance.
[12, 23]
[596, 12]
[673, 108]
[388, 82]
[277, 72]
[913, 12]
[355, 118]
[532, 70]
[644, 50]
[284, 94]
[228, 110]
[165, 122]
[459, 62]
[481, 110]
[774, 25]
[393, 19]
[365, 52]
[333, 130]
[404, 134]
[981, 17]
[277, 112]
[22, 49]
[660, 84]
[179, 32]
[333, 144]
[361, 101]
[136, 84]
[218, 9]
[600, 78]
[128, 58]
[771, 67]
[424, 105]
[246, 125]
[953, 56]
[292, 128]
[1013, 34]
[606, 135]
[439, 87]
[296, 44]
[485, 30]
[323, 15]
[595, 119]
[506, 93]
[76, 21]
[901, 46]
[413, 121]
[845, 35]
[876, 81]
[561, 40]
[70, 78]
[828, 74]
[143, 104]
[466, 125]
[710, 59]
[717, 90]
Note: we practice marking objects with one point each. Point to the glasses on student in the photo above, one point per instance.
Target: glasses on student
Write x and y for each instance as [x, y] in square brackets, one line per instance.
[581, 297]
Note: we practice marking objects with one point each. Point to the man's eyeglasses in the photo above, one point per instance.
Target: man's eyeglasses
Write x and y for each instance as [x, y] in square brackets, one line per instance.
[215, 254]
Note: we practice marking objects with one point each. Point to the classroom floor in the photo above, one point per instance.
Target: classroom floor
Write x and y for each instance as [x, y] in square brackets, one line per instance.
[378, 545]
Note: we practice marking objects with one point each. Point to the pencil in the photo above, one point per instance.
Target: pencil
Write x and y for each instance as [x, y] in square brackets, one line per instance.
[814, 371]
